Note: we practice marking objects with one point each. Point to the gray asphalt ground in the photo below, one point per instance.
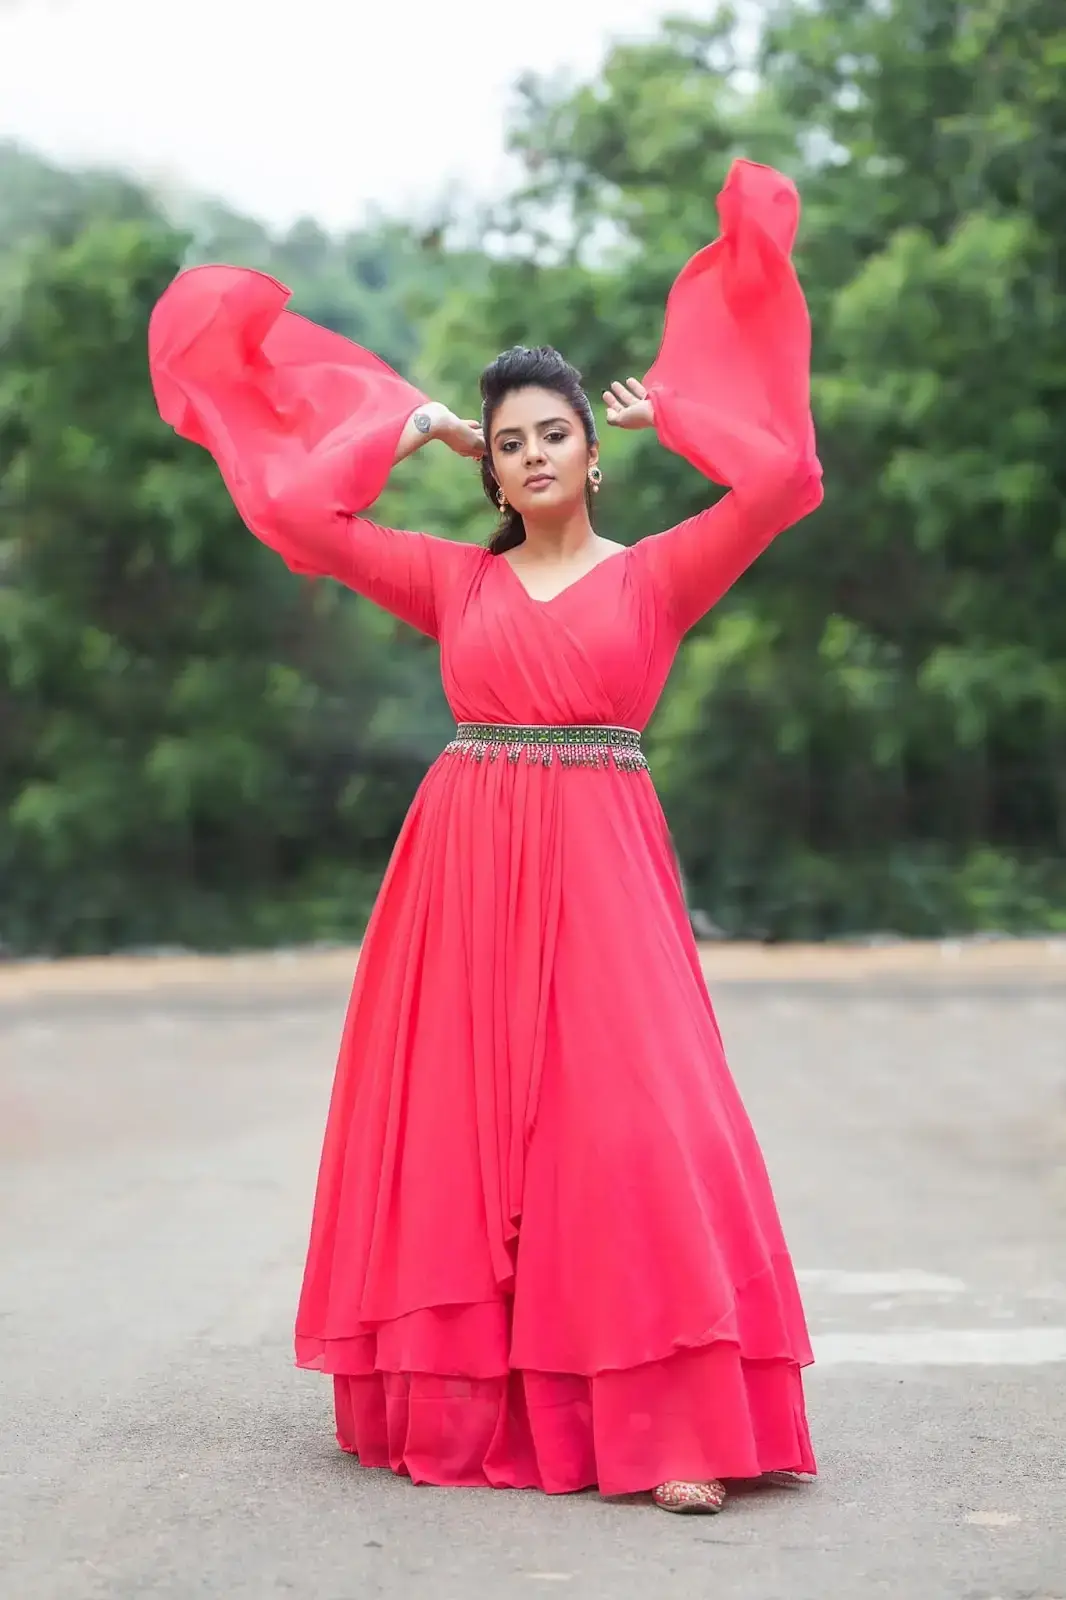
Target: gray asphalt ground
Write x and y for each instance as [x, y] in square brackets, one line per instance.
[158, 1144]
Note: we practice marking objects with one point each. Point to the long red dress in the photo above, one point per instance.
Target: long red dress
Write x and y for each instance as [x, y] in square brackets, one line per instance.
[544, 1249]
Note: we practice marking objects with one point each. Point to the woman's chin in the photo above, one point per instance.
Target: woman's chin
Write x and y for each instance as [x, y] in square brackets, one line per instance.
[553, 497]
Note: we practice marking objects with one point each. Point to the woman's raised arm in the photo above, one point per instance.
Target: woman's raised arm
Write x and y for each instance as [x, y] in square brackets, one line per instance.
[305, 427]
[730, 391]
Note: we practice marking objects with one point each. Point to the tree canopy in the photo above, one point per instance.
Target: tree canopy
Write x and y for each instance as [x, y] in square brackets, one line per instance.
[869, 732]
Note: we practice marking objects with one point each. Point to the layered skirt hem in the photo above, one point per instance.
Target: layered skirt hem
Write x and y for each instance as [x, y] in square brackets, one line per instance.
[699, 1413]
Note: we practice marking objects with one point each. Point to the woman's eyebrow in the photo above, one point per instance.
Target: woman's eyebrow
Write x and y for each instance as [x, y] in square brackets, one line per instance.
[546, 423]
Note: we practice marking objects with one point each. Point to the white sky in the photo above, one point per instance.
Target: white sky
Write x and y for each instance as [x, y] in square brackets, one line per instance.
[308, 107]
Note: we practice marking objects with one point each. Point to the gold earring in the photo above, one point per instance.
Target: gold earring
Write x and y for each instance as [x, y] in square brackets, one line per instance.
[595, 478]
[501, 499]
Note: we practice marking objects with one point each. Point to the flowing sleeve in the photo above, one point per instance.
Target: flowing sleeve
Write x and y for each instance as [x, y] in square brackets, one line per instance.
[303, 425]
[730, 391]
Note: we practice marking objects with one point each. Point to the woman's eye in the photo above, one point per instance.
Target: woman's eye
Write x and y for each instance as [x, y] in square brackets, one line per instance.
[555, 436]
[510, 446]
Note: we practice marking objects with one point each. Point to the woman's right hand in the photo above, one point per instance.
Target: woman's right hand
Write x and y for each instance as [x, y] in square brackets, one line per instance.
[435, 421]
[462, 435]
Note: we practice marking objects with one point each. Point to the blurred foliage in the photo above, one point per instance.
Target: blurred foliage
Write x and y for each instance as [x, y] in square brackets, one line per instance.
[870, 731]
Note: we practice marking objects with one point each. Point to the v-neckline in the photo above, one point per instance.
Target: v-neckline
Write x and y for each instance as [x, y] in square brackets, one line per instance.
[551, 599]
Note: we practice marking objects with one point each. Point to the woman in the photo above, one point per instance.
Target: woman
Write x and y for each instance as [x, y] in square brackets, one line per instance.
[544, 1249]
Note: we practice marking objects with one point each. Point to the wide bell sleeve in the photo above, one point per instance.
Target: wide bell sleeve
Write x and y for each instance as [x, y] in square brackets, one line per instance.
[303, 425]
[730, 391]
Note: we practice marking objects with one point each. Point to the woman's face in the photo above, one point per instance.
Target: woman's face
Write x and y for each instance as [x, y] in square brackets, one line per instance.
[539, 453]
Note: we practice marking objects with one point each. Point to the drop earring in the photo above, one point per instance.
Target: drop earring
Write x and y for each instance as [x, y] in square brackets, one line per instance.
[595, 479]
[501, 499]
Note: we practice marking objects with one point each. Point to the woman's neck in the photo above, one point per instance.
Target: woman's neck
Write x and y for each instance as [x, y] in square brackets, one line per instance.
[557, 539]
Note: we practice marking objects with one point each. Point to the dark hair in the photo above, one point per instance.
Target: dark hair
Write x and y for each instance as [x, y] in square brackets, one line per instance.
[519, 368]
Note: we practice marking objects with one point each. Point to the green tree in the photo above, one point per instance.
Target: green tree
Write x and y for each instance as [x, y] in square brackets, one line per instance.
[191, 747]
[868, 731]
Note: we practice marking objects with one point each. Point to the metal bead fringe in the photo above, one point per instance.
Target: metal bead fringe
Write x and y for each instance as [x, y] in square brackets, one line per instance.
[572, 746]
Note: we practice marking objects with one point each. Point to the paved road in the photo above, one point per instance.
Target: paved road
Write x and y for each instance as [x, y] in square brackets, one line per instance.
[157, 1153]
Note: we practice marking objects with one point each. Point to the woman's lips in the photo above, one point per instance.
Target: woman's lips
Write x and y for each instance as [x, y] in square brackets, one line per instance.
[540, 481]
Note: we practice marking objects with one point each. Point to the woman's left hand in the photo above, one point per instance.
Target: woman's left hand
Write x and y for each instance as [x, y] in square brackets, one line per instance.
[628, 405]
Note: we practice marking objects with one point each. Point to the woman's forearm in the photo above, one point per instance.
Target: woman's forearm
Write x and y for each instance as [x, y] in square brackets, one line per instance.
[435, 421]
[421, 426]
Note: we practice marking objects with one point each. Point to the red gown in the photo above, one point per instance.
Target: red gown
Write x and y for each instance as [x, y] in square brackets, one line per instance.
[544, 1250]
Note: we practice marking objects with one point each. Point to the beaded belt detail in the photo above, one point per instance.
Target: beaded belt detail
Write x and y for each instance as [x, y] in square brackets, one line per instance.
[592, 745]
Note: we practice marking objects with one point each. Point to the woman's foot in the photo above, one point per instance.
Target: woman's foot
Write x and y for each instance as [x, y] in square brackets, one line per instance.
[701, 1499]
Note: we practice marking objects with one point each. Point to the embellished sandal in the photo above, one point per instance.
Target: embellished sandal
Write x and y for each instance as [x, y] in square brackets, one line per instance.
[699, 1499]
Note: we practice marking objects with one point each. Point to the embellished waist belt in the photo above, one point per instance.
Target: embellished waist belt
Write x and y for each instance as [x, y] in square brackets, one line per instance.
[582, 745]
